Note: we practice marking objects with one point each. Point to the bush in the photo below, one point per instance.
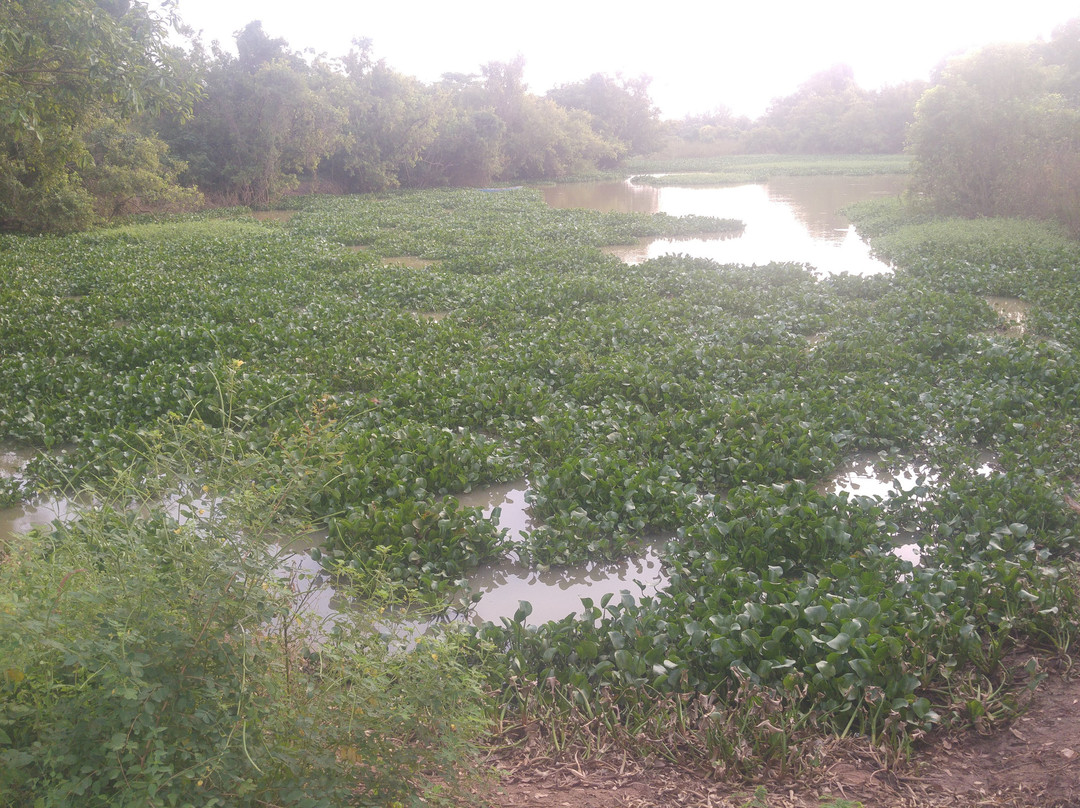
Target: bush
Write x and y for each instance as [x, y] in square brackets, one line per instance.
[148, 662]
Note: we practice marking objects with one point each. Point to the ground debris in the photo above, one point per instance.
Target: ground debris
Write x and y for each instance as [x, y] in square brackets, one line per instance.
[1033, 763]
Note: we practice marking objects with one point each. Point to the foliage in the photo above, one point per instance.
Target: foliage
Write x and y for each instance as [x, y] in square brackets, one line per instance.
[621, 108]
[995, 137]
[63, 66]
[388, 122]
[161, 659]
[698, 407]
[830, 114]
[132, 173]
[259, 126]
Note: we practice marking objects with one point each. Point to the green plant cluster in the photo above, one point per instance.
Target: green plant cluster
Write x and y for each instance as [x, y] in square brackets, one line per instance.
[485, 231]
[156, 660]
[743, 168]
[706, 405]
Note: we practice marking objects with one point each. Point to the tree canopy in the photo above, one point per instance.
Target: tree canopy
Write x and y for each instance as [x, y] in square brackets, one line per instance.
[831, 114]
[65, 67]
[999, 132]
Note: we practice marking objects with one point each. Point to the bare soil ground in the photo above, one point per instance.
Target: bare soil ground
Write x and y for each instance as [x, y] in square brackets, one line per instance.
[1032, 761]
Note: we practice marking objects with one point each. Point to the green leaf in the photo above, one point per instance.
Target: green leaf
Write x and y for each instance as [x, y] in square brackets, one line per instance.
[816, 614]
[840, 642]
[523, 611]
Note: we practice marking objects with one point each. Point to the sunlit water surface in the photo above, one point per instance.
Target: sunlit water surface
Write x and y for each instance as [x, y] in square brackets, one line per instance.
[788, 219]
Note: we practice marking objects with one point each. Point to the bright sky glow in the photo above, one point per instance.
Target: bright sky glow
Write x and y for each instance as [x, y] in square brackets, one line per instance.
[700, 55]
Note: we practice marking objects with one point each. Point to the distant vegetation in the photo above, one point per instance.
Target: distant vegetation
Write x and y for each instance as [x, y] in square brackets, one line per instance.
[105, 118]
[112, 120]
[828, 114]
[743, 168]
[999, 133]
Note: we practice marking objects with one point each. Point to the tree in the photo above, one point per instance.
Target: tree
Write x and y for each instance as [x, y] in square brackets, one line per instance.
[622, 109]
[491, 128]
[544, 141]
[467, 149]
[831, 114]
[132, 172]
[994, 138]
[261, 124]
[63, 65]
[541, 139]
[388, 119]
[1062, 54]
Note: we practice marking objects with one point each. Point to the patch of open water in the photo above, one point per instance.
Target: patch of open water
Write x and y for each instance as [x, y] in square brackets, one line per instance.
[868, 474]
[410, 261]
[788, 219]
[430, 316]
[38, 512]
[282, 216]
[553, 592]
[1013, 311]
[557, 591]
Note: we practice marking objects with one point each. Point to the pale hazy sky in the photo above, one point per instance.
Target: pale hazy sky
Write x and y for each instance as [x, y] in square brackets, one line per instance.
[700, 55]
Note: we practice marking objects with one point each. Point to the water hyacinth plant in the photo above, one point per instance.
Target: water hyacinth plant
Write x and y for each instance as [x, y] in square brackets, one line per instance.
[706, 405]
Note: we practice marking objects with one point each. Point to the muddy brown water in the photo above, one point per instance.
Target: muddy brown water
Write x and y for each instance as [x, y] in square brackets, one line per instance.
[431, 316]
[409, 261]
[40, 512]
[554, 592]
[1013, 311]
[788, 219]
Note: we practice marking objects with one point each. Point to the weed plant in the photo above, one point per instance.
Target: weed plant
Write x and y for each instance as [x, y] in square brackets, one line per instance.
[705, 404]
[732, 169]
[156, 655]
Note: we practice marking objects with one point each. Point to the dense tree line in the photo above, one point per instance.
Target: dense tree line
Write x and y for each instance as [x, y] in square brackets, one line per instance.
[829, 113]
[100, 116]
[76, 77]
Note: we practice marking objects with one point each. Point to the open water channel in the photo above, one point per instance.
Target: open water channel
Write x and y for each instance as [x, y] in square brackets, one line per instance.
[788, 219]
[793, 219]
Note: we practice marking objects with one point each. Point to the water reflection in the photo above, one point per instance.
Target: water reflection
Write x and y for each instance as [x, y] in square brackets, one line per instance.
[13, 460]
[1013, 311]
[40, 512]
[817, 201]
[514, 512]
[618, 197]
[911, 553]
[554, 593]
[866, 475]
[307, 578]
[788, 219]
